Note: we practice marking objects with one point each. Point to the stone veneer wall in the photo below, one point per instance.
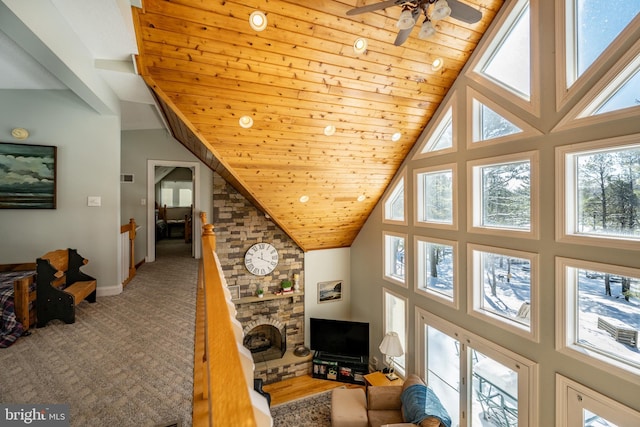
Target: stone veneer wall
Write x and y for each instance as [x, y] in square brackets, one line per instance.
[238, 224]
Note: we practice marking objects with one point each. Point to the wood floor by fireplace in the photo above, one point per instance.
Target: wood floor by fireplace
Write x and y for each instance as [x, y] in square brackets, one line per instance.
[266, 342]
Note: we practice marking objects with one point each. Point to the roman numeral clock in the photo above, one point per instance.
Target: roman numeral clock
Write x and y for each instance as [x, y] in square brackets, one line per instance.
[261, 259]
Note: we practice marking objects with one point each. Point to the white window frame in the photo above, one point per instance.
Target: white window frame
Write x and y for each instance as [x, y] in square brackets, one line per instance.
[474, 195]
[528, 381]
[388, 260]
[566, 223]
[448, 111]
[526, 130]
[475, 284]
[400, 179]
[566, 313]
[616, 76]
[419, 191]
[502, 24]
[400, 369]
[573, 398]
[566, 90]
[453, 300]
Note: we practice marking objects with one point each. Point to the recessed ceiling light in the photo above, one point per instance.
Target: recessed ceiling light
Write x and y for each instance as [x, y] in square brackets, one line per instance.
[304, 199]
[396, 136]
[246, 122]
[360, 45]
[258, 20]
[437, 64]
[361, 198]
[329, 130]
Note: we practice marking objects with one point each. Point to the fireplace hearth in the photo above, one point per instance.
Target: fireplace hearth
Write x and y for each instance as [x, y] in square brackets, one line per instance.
[266, 341]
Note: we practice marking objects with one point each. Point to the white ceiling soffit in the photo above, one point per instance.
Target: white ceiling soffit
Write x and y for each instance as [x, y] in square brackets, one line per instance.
[21, 71]
[105, 28]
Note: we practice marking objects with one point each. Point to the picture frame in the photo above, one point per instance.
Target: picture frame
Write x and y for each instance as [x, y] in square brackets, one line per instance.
[330, 291]
[235, 291]
[28, 177]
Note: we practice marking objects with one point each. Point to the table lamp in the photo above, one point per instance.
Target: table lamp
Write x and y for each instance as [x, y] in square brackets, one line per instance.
[391, 347]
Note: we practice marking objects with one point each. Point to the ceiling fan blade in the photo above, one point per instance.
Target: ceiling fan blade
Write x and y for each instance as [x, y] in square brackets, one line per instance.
[375, 6]
[403, 35]
[463, 12]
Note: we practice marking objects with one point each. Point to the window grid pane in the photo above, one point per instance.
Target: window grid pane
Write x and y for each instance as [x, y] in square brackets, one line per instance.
[608, 315]
[506, 196]
[436, 263]
[606, 196]
[506, 287]
[437, 197]
[495, 397]
[395, 316]
[510, 63]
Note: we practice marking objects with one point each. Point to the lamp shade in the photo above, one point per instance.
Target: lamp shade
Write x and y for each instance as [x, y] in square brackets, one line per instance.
[441, 10]
[406, 20]
[391, 346]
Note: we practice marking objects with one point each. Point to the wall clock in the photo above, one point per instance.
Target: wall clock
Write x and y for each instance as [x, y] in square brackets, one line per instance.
[261, 259]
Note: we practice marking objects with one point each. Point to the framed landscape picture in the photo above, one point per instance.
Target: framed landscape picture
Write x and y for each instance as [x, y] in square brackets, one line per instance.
[27, 176]
[330, 291]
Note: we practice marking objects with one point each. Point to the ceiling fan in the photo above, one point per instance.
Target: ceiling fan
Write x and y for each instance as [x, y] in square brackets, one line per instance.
[411, 10]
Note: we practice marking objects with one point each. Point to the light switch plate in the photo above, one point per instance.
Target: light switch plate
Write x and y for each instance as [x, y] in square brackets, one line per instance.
[94, 201]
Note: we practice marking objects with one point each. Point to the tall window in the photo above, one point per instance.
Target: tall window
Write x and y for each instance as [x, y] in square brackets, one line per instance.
[504, 194]
[395, 257]
[436, 269]
[600, 316]
[395, 320]
[436, 190]
[585, 41]
[598, 190]
[479, 383]
[509, 63]
[505, 288]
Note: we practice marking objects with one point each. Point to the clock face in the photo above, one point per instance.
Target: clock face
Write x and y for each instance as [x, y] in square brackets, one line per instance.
[261, 259]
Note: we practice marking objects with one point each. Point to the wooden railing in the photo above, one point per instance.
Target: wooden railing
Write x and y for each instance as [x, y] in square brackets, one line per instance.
[222, 395]
[128, 251]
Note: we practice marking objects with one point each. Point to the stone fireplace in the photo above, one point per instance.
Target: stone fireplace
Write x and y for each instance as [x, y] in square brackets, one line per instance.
[273, 326]
[266, 339]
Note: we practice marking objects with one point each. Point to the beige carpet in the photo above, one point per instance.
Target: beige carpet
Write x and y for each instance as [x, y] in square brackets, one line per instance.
[310, 411]
[126, 361]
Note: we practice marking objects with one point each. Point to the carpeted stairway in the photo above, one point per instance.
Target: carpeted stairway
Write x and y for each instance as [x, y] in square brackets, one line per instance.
[126, 361]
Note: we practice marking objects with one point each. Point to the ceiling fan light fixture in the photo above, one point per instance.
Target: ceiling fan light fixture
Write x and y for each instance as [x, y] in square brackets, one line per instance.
[245, 122]
[427, 30]
[360, 45]
[437, 64]
[405, 21]
[441, 10]
[258, 20]
[396, 136]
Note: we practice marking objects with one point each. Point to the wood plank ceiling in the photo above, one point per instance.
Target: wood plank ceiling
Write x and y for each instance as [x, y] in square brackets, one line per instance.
[208, 68]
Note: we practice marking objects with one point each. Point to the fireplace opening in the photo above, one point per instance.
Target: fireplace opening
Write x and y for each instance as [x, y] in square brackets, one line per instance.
[266, 342]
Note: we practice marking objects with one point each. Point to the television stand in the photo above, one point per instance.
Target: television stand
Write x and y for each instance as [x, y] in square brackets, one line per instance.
[338, 367]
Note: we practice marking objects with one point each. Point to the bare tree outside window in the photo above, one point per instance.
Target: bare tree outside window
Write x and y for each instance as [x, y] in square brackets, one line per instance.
[608, 193]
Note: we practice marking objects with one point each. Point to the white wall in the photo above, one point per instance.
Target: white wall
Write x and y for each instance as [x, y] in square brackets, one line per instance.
[88, 164]
[138, 147]
[322, 266]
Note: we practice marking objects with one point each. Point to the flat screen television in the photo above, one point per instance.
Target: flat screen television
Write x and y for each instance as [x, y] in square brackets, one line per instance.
[339, 337]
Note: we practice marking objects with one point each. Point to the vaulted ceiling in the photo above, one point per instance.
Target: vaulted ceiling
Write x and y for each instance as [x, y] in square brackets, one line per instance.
[208, 68]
